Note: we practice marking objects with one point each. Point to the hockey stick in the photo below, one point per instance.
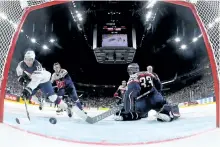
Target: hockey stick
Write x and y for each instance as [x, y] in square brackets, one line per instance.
[27, 112]
[101, 116]
[19, 121]
[167, 82]
[92, 120]
[24, 120]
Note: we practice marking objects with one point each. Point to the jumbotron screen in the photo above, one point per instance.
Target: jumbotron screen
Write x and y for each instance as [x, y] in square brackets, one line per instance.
[114, 40]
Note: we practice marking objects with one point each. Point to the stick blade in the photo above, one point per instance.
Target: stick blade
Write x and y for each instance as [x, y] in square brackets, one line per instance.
[81, 114]
[22, 121]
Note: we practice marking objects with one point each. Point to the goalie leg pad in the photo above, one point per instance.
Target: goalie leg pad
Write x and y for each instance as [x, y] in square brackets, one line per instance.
[128, 116]
[129, 100]
[168, 113]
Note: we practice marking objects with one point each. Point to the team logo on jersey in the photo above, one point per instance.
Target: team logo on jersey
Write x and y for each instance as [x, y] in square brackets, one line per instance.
[60, 84]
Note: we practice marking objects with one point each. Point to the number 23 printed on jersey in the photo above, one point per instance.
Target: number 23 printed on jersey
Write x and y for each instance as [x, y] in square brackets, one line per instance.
[146, 81]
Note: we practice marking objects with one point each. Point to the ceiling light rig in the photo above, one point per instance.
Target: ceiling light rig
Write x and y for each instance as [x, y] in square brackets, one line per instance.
[78, 18]
[150, 16]
[114, 13]
[32, 39]
[151, 4]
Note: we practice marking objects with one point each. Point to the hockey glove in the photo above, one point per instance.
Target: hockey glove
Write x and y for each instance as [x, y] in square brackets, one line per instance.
[24, 80]
[26, 93]
[116, 95]
[21, 80]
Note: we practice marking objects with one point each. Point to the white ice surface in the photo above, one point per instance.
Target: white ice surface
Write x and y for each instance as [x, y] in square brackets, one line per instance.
[194, 120]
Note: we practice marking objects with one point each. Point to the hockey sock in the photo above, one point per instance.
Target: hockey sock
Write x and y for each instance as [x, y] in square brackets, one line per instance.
[78, 104]
[63, 105]
[58, 100]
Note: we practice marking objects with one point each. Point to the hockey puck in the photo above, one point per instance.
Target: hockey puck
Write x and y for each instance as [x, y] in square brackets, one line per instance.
[53, 120]
[17, 120]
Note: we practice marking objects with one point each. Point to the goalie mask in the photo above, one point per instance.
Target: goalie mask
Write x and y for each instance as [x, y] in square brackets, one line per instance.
[56, 67]
[133, 68]
[29, 58]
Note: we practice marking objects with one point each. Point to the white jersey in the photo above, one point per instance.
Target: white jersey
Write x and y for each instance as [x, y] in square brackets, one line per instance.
[56, 76]
[36, 73]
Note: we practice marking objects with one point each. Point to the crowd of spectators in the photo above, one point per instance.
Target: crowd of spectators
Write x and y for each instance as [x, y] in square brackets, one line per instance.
[200, 89]
[13, 87]
[104, 102]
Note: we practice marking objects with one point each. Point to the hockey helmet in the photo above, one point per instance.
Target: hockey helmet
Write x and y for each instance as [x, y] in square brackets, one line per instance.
[56, 67]
[29, 55]
[133, 68]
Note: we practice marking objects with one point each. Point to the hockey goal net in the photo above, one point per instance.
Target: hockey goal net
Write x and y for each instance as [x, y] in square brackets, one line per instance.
[12, 17]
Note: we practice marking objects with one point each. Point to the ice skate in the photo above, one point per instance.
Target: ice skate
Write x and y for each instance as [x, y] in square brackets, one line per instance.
[59, 111]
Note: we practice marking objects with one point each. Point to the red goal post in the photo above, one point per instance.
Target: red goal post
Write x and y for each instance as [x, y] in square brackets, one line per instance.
[10, 32]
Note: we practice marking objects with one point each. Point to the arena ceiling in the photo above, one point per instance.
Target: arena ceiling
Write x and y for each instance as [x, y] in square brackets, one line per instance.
[156, 39]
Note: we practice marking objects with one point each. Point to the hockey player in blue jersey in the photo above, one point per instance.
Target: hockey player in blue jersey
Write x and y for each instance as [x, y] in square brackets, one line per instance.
[33, 77]
[142, 96]
[65, 85]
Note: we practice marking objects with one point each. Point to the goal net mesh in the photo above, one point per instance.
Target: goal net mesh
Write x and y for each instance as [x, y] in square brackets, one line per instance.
[11, 12]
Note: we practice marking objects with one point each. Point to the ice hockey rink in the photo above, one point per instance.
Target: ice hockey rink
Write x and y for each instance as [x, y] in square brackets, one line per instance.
[195, 127]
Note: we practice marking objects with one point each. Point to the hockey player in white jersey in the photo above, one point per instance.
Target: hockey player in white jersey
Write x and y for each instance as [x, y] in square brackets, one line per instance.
[33, 77]
[65, 85]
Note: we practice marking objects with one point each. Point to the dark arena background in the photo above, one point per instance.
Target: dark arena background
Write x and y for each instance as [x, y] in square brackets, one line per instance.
[95, 41]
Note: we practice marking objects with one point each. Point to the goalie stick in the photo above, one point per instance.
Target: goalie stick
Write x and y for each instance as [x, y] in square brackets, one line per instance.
[92, 120]
[95, 119]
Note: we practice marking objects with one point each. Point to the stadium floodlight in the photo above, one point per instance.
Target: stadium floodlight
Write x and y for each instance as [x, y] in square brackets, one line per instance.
[195, 39]
[52, 40]
[210, 25]
[177, 39]
[148, 15]
[22, 31]
[3, 16]
[45, 47]
[80, 19]
[183, 46]
[151, 3]
[15, 25]
[217, 19]
[79, 15]
[33, 40]
[199, 36]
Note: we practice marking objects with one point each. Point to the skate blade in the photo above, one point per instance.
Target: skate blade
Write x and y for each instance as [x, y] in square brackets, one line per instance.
[59, 113]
